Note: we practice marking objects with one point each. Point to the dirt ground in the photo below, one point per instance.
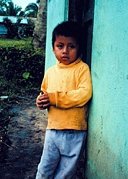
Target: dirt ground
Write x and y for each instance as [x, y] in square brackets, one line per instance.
[26, 135]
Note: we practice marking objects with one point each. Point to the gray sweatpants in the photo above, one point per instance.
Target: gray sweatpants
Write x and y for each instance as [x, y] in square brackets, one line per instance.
[60, 154]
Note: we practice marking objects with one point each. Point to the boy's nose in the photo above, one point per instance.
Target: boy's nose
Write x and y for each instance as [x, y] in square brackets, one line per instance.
[65, 49]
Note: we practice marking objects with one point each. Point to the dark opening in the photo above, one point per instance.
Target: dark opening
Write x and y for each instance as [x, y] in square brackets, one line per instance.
[83, 12]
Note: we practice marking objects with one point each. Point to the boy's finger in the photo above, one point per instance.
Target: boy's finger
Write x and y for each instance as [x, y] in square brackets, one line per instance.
[46, 105]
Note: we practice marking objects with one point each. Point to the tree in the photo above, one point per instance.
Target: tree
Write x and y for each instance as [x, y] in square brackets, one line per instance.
[31, 10]
[39, 35]
[3, 7]
[8, 8]
[12, 9]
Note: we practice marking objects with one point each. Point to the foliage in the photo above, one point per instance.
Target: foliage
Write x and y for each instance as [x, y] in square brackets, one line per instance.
[16, 43]
[8, 8]
[12, 9]
[31, 10]
[21, 70]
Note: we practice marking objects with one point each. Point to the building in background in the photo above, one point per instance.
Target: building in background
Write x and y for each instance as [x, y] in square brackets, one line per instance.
[15, 26]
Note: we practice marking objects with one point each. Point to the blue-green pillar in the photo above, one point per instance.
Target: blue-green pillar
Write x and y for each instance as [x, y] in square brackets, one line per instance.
[108, 120]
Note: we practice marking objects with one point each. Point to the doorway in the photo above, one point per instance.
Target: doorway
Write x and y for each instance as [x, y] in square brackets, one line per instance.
[83, 12]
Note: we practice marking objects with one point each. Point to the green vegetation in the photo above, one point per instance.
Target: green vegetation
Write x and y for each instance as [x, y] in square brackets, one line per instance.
[22, 67]
[21, 73]
[8, 8]
[16, 43]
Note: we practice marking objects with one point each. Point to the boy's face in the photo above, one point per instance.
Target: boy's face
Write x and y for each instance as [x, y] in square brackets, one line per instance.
[65, 49]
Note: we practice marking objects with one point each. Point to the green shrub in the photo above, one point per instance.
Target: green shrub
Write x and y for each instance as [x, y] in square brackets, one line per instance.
[21, 70]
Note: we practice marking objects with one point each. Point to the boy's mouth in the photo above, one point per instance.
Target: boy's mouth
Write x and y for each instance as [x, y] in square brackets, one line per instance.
[65, 58]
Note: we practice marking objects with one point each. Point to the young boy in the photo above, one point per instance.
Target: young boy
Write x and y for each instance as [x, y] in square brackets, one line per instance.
[66, 89]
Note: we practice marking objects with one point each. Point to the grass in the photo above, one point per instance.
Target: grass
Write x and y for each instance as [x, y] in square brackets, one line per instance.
[17, 43]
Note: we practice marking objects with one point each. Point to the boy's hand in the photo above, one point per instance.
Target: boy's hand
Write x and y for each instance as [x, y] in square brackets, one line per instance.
[42, 101]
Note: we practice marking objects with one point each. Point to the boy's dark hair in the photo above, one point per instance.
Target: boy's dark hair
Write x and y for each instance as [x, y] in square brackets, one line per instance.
[68, 29]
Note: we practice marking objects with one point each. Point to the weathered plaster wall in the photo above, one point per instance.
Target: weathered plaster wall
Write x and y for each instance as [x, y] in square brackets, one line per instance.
[108, 121]
[57, 11]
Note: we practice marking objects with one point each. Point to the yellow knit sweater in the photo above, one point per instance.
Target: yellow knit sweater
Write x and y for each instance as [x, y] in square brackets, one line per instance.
[69, 89]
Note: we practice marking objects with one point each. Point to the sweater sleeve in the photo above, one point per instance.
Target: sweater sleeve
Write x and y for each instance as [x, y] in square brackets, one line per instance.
[44, 84]
[77, 97]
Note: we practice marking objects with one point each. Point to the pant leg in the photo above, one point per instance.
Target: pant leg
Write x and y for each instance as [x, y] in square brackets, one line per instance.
[70, 148]
[49, 158]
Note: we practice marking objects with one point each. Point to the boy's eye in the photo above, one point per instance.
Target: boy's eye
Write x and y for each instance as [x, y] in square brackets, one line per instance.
[60, 46]
[71, 46]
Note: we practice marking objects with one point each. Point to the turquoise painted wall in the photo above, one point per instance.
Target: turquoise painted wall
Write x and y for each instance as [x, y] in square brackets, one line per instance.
[57, 11]
[108, 120]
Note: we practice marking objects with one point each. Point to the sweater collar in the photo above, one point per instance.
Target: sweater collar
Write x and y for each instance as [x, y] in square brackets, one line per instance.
[61, 65]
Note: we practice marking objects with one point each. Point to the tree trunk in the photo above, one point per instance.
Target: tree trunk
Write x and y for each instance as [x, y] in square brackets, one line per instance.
[39, 35]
